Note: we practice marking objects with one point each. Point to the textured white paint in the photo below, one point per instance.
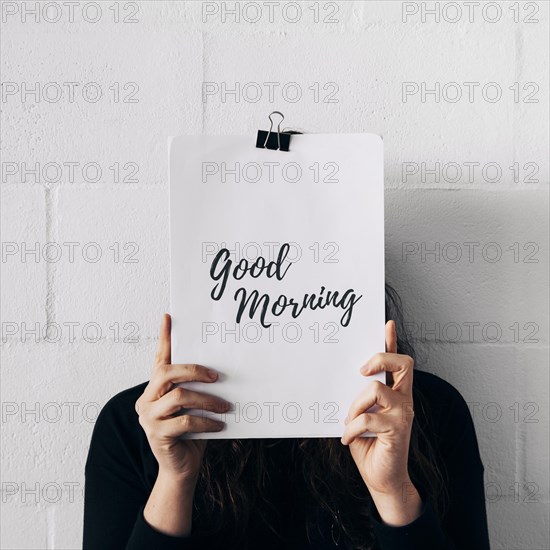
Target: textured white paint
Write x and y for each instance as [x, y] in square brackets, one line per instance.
[369, 53]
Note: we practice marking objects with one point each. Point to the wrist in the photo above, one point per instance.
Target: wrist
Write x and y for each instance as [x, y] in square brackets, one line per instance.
[169, 508]
[400, 506]
[181, 481]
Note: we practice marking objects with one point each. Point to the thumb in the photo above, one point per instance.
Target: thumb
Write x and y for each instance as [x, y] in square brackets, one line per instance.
[391, 337]
[164, 349]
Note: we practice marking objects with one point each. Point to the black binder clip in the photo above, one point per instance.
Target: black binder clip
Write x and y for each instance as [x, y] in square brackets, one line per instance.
[278, 141]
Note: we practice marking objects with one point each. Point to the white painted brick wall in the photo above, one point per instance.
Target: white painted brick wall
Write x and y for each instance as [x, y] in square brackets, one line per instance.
[51, 390]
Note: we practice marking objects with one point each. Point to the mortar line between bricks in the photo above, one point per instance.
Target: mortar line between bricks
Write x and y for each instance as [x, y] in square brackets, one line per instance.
[50, 523]
[520, 452]
[518, 431]
[153, 338]
[516, 345]
[51, 236]
[162, 185]
[203, 114]
[518, 71]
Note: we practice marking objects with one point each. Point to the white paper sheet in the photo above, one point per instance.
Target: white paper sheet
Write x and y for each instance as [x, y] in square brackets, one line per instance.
[325, 198]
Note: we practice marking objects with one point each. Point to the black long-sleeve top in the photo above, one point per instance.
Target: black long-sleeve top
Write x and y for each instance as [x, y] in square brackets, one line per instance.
[121, 471]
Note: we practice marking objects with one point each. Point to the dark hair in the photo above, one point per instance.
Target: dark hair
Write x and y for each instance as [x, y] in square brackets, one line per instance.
[327, 467]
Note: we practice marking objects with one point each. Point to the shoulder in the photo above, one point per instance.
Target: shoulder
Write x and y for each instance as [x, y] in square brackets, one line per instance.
[117, 426]
[440, 399]
[435, 389]
[444, 415]
[123, 403]
[120, 410]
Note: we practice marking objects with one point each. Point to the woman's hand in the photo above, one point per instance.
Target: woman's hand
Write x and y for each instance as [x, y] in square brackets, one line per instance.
[169, 506]
[382, 460]
[161, 400]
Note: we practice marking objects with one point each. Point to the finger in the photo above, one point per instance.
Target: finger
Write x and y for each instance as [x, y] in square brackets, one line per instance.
[188, 423]
[391, 337]
[401, 367]
[366, 422]
[166, 376]
[391, 347]
[376, 393]
[179, 398]
[164, 348]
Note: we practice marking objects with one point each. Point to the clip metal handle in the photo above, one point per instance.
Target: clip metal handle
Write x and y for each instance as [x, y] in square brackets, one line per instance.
[278, 129]
[265, 140]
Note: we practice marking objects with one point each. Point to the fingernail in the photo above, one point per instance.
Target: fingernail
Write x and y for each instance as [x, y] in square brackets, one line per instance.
[342, 441]
[346, 420]
[212, 374]
[220, 426]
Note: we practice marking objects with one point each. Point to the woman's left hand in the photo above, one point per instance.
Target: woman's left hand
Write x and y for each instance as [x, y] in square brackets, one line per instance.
[383, 460]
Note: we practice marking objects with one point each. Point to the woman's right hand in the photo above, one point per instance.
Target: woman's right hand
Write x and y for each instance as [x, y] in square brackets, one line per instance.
[157, 407]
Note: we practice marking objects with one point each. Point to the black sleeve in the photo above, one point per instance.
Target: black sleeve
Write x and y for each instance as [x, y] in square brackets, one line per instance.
[116, 488]
[424, 532]
[144, 537]
[465, 524]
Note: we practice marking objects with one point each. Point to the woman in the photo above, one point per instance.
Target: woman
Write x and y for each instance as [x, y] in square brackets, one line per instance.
[418, 484]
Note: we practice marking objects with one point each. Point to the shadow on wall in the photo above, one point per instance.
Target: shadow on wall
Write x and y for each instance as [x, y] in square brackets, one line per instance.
[471, 270]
